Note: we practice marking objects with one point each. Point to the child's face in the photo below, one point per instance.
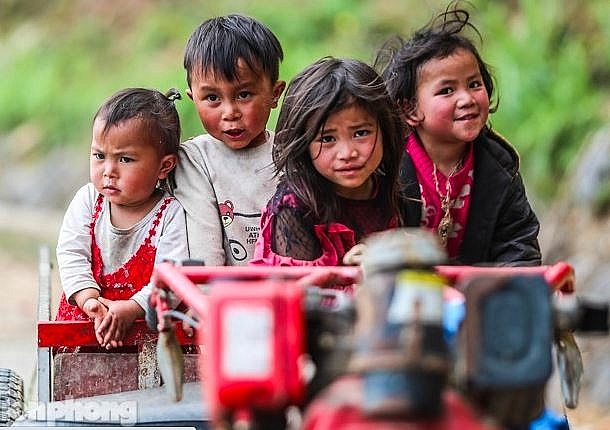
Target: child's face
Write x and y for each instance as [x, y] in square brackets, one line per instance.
[235, 112]
[452, 102]
[348, 150]
[125, 163]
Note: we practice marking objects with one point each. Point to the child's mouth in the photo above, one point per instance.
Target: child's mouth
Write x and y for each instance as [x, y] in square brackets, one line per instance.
[467, 117]
[235, 133]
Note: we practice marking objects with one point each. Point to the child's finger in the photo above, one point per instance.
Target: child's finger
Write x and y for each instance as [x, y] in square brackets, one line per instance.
[104, 324]
[187, 328]
[99, 336]
[104, 301]
[108, 328]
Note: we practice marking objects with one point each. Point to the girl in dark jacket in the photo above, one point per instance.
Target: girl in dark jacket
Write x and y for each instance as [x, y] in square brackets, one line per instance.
[460, 178]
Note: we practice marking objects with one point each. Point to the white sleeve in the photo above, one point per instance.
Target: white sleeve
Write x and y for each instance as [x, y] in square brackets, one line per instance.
[74, 244]
[194, 190]
[171, 245]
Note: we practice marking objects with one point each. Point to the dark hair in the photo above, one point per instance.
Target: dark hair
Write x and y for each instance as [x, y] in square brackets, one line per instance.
[153, 107]
[400, 61]
[218, 43]
[321, 89]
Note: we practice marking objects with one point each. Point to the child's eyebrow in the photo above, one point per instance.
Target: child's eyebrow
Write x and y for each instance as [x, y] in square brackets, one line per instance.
[446, 81]
[363, 124]
[205, 87]
[357, 126]
[245, 84]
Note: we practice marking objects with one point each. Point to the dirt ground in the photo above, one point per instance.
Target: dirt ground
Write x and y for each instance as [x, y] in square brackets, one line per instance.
[18, 307]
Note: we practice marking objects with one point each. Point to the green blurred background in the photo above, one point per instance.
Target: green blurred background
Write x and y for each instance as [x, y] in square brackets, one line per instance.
[59, 59]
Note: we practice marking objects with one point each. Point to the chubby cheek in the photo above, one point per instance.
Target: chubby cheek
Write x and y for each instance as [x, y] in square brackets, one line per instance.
[483, 102]
[376, 156]
[256, 118]
[322, 163]
[95, 172]
[441, 112]
[208, 118]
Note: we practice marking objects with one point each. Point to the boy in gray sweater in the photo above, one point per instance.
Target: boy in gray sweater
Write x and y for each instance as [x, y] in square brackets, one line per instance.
[225, 177]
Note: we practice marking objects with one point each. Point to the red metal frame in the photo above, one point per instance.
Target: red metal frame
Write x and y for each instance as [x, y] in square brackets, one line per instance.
[183, 280]
[55, 334]
[559, 276]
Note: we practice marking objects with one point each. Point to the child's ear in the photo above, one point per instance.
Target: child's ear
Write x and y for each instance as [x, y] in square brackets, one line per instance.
[168, 162]
[278, 89]
[409, 114]
[189, 93]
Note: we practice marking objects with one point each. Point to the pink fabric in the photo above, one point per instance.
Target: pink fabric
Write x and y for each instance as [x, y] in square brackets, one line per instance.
[461, 186]
[335, 240]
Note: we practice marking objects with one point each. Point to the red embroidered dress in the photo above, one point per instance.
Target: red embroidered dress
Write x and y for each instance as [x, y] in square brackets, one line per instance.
[131, 277]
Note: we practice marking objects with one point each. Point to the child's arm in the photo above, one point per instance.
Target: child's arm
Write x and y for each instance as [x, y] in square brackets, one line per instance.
[515, 241]
[293, 238]
[89, 301]
[193, 189]
[74, 245]
[171, 246]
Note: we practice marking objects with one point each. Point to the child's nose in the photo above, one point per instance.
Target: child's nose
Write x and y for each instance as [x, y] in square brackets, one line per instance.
[231, 111]
[347, 150]
[109, 168]
[465, 98]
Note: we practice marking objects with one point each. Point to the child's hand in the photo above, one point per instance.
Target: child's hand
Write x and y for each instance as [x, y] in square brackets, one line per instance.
[186, 326]
[353, 257]
[95, 310]
[118, 320]
[332, 276]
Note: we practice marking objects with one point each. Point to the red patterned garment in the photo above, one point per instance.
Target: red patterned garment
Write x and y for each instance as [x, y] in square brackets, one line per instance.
[434, 185]
[131, 277]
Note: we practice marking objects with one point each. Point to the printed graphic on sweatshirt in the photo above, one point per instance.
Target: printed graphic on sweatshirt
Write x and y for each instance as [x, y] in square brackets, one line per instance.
[226, 213]
[239, 241]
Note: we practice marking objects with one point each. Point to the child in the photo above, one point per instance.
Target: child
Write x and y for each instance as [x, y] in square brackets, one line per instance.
[460, 177]
[225, 177]
[337, 147]
[121, 223]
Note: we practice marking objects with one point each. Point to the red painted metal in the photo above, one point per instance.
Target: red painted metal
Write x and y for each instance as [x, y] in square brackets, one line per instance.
[560, 276]
[257, 367]
[244, 283]
[182, 281]
[340, 407]
[56, 334]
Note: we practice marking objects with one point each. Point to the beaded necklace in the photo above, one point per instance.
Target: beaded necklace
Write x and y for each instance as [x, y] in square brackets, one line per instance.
[445, 226]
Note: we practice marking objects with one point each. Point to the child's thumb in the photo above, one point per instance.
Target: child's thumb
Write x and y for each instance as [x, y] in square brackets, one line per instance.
[187, 328]
[104, 301]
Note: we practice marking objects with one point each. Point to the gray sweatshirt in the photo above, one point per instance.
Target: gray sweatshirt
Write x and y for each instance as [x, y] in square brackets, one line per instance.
[223, 192]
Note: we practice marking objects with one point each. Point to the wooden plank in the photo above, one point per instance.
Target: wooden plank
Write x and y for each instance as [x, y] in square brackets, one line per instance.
[90, 374]
[94, 373]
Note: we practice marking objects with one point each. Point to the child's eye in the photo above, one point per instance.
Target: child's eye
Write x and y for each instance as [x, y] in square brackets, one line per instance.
[125, 159]
[445, 91]
[212, 98]
[476, 84]
[362, 133]
[97, 156]
[326, 139]
[243, 95]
